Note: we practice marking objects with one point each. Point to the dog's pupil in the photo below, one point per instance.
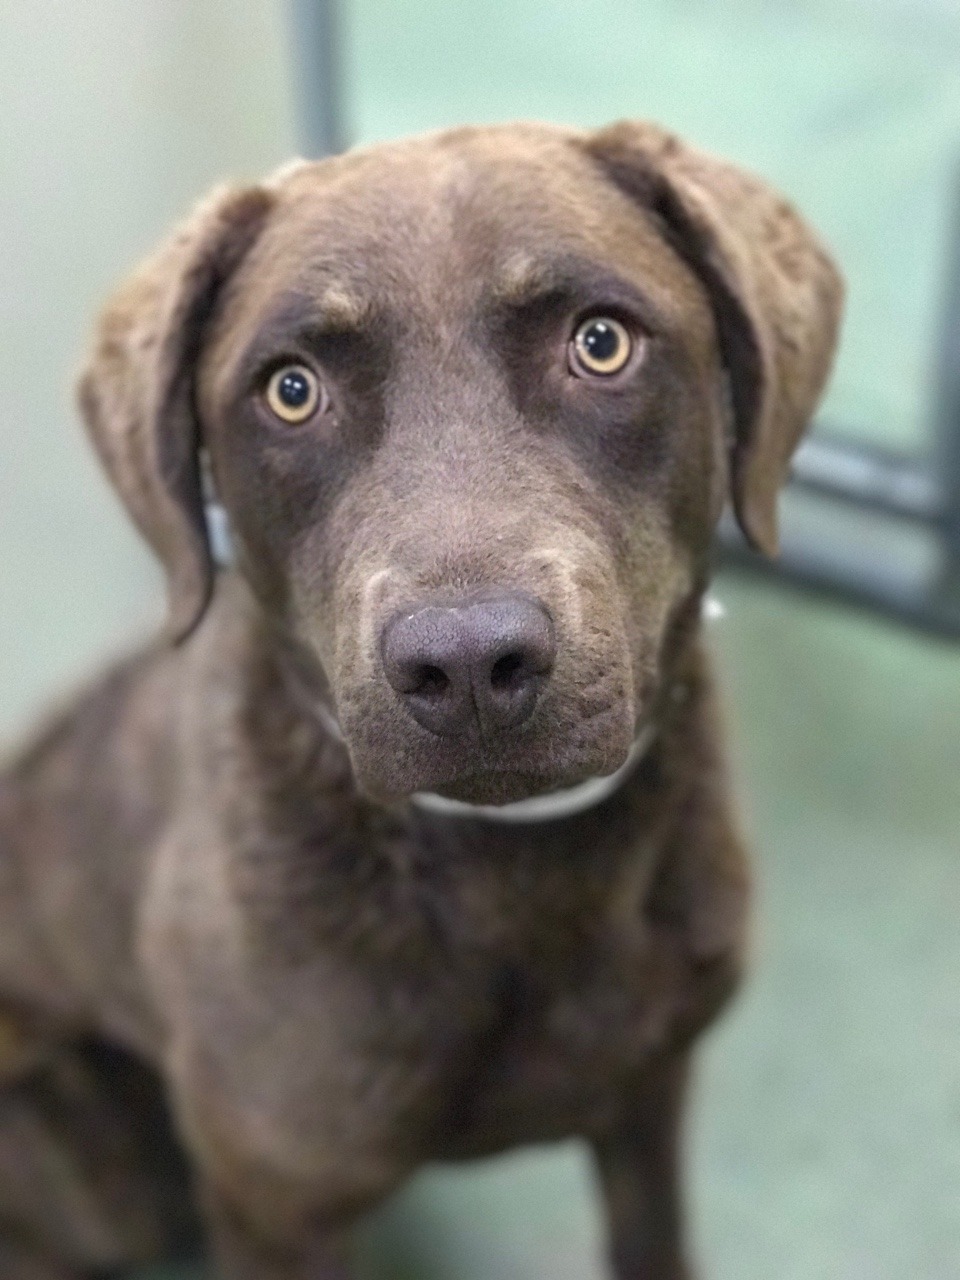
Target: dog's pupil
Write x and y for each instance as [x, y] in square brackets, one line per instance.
[601, 340]
[294, 390]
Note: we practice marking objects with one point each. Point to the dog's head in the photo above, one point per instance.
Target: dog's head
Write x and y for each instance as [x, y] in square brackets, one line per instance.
[473, 404]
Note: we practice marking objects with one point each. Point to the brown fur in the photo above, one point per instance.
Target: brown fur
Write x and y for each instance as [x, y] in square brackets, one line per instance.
[199, 885]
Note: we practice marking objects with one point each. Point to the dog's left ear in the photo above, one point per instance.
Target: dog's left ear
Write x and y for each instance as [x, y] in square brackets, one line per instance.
[776, 294]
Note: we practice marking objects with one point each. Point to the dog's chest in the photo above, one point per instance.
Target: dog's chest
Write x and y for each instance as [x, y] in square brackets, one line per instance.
[562, 1047]
[455, 1008]
[548, 992]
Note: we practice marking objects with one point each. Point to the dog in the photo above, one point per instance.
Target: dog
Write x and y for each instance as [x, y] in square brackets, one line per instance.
[411, 838]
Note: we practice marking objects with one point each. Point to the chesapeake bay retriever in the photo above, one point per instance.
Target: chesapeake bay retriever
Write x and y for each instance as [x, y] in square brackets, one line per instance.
[411, 839]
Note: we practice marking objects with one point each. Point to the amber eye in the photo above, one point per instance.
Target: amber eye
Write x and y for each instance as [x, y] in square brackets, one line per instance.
[601, 346]
[294, 393]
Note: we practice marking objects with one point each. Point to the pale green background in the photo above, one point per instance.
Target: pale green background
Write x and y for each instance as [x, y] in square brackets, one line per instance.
[826, 1138]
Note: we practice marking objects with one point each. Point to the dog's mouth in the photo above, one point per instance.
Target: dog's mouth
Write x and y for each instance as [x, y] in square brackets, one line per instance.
[496, 787]
[492, 786]
[545, 804]
[499, 789]
[393, 765]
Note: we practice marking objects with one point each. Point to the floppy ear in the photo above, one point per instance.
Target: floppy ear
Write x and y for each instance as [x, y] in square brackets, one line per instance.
[777, 297]
[136, 392]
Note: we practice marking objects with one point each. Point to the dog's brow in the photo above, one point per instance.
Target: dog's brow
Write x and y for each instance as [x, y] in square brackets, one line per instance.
[525, 277]
[526, 281]
[337, 308]
[334, 309]
[313, 319]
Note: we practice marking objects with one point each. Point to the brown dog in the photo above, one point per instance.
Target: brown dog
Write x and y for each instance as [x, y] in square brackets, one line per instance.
[473, 404]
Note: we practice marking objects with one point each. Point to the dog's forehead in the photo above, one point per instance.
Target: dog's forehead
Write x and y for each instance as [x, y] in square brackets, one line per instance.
[438, 219]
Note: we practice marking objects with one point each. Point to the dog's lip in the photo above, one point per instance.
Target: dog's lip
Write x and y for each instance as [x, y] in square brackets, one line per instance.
[495, 786]
[506, 786]
[488, 773]
[509, 785]
[548, 806]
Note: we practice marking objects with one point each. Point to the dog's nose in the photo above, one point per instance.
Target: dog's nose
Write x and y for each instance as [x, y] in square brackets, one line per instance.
[479, 665]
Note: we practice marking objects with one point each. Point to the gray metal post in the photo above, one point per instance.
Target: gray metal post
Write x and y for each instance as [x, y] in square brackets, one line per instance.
[315, 33]
[947, 406]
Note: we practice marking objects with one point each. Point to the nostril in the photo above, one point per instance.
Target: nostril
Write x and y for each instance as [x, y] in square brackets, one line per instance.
[508, 671]
[430, 681]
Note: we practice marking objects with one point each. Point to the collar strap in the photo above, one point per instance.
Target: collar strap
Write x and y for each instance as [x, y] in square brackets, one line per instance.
[565, 803]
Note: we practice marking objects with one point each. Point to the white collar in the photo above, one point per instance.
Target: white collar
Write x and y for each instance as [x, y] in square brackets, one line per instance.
[564, 803]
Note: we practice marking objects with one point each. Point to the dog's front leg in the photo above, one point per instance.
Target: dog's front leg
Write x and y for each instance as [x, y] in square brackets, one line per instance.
[243, 1251]
[639, 1171]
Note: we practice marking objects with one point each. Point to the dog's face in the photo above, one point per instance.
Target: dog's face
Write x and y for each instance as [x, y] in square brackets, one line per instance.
[473, 404]
[501, 461]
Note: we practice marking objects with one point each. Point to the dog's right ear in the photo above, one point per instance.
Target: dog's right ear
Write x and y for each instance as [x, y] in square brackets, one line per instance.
[137, 396]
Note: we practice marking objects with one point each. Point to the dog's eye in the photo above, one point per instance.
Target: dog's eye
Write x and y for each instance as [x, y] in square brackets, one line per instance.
[294, 393]
[601, 346]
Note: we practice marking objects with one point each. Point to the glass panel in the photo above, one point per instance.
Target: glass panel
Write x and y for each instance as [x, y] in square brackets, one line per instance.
[851, 106]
